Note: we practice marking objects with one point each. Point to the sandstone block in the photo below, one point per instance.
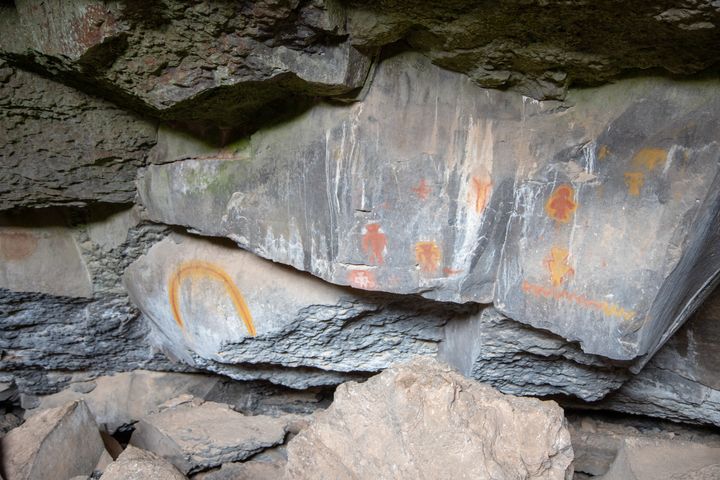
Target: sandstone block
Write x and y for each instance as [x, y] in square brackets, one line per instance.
[422, 420]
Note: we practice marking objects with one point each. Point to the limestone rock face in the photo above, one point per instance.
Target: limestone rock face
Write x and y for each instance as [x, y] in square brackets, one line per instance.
[425, 421]
[682, 381]
[60, 146]
[137, 464]
[203, 64]
[197, 437]
[539, 48]
[58, 443]
[517, 359]
[83, 324]
[579, 218]
[217, 307]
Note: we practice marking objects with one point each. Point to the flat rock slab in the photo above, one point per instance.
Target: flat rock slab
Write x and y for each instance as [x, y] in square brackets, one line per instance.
[137, 464]
[422, 420]
[640, 459]
[198, 437]
[580, 218]
[60, 442]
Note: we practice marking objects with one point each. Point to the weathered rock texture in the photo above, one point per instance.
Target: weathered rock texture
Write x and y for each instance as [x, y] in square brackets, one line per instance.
[682, 381]
[580, 218]
[204, 64]
[425, 421]
[223, 309]
[47, 338]
[198, 437]
[60, 146]
[58, 443]
[541, 47]
[517, 359]
[137, 464]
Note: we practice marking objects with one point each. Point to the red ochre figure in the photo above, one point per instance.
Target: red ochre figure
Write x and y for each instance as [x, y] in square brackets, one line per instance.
[422, 190]
[374, 243]
[561, 204]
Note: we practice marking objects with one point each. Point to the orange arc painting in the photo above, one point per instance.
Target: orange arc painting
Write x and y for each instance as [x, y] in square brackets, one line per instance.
[205, 269]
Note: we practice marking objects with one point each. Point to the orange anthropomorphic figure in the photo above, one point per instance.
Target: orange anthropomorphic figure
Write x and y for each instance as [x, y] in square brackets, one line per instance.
[374, 243]
[561, 204]
[428, 256]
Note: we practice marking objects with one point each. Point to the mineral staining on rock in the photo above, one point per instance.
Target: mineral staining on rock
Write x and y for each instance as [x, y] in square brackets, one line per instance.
[434, 186]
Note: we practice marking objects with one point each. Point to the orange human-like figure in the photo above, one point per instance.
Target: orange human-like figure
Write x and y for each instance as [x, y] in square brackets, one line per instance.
[428, 256]
[422, 190]
[558, 266]
[561, 204]
[374, 243]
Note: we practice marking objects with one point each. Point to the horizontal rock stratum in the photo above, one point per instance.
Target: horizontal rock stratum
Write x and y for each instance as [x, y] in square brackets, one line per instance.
[592, 218]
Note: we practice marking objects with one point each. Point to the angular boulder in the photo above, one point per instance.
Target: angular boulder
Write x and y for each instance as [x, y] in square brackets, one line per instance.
[423, 420]
[60, 442]
[137, 464]
[570, 220]
[198, 437]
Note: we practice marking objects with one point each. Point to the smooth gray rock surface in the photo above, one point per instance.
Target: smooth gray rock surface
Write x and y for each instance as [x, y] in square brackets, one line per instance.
[61, 146]
[422, 420]
[580, 218]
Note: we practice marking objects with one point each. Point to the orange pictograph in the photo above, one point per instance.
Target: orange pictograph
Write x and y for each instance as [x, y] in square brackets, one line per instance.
[634, 182]
[561, 204]
[650, 158]
[483, 188]
[422, 190]
[428, 256]
[200, 269]
[363, 279]
[374, 243]
[558, 266]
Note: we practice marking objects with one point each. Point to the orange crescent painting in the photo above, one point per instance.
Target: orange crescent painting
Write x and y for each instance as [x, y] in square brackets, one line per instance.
[205, 269]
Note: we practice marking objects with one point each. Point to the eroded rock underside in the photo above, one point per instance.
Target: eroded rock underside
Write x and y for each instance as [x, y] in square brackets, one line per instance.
[306, 192]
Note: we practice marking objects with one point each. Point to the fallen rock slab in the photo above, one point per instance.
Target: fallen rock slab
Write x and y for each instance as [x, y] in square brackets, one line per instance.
[198, 437]
[61, 442]
[423, 420]
[137, 464]
[641, 459]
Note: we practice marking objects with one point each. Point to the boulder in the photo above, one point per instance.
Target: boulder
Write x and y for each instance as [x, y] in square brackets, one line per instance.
[580, 218]
[640, 459]
[196, 437]
[57, 443]
[61, 146]
[137, 464]
[423, 420]
[124, 398]
[268, 465]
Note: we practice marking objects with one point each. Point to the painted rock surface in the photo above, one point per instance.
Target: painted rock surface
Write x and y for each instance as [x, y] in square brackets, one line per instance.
[587, 218]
